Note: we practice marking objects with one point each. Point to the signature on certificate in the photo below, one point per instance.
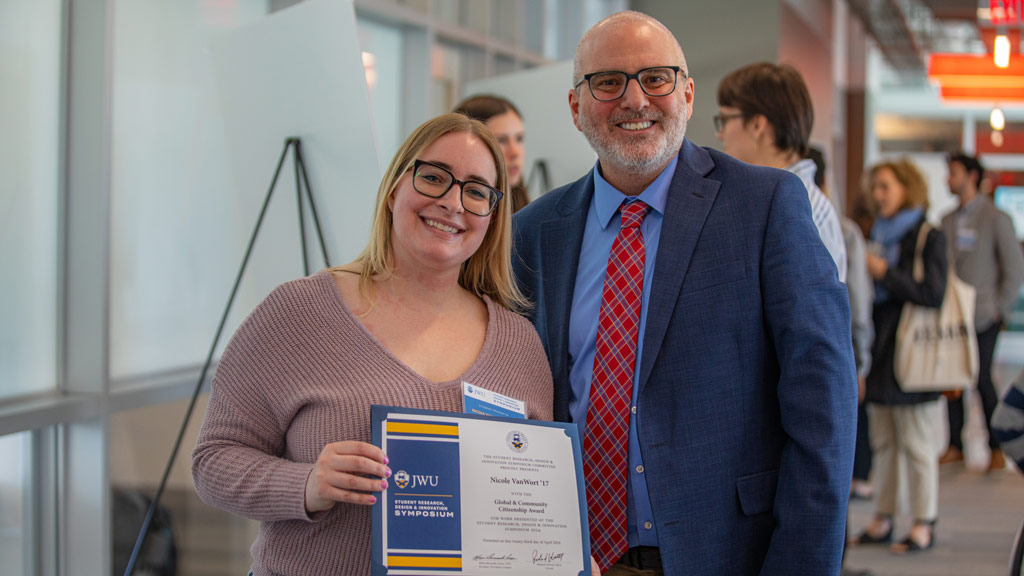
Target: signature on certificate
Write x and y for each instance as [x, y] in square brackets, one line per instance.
[493, 556]
[548, 558]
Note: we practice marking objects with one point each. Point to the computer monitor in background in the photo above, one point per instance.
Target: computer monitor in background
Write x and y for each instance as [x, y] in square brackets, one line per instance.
[1010, 199]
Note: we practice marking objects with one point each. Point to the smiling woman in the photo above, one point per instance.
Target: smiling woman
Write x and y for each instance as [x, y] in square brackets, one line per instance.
[425, 307]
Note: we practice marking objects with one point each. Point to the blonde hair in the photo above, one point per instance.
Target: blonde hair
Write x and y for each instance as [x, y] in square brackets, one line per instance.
[489, 270]
[914, 184]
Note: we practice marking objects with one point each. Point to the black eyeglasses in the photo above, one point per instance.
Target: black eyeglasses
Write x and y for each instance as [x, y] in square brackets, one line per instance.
[611, 84]
[722, 119]
[432, 180]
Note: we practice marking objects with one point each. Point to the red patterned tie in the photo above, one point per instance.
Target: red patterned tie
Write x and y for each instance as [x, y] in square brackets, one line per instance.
[606, 441]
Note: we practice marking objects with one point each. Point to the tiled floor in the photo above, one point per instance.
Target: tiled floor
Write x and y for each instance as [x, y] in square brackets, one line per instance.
[979, 515]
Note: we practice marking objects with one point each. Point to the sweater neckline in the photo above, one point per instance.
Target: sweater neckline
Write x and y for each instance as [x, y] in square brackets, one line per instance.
[327, 280]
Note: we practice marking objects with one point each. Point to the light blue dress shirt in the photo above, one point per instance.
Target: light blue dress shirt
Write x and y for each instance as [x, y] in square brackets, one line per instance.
[603, 224]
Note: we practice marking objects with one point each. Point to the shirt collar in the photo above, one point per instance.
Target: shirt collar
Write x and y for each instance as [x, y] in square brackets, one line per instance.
[805, 169]
[607, 198]
[966, 209]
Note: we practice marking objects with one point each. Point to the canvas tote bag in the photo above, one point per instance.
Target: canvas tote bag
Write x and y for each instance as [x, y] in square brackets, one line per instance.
[936, 348]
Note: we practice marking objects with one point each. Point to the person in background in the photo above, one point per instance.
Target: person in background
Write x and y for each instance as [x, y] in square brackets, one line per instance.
[764, 118]
[697, 331]
[427, 305]
[506, 123]
[902, 425]
[989, 258]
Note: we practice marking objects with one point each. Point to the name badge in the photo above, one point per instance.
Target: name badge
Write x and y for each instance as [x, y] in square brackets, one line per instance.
[965, 239]
[477, 400]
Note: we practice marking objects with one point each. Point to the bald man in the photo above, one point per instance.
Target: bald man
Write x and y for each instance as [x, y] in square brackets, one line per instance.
[697, 332]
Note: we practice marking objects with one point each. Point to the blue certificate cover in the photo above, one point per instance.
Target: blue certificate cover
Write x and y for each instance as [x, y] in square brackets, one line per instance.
[476, 495]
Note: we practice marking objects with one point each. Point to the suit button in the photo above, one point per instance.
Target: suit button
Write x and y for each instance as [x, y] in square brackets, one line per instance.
[640, 469]
[648, 525]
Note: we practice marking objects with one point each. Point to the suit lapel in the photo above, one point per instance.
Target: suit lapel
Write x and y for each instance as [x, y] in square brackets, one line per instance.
[561, 239]
[690, 199]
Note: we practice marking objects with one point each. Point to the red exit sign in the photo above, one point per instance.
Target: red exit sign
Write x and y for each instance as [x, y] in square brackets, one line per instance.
[1005, 12]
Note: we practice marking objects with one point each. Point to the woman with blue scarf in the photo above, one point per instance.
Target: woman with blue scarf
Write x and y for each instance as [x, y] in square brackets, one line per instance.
[901, 424]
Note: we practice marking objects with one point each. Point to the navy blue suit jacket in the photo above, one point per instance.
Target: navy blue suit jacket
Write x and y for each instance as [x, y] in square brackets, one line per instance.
[747, 399]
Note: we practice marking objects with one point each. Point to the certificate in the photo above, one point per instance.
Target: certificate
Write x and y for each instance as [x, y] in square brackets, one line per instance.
[475, 496]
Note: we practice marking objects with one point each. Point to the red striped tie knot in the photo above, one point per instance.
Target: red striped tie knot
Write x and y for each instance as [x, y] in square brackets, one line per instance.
[633, 214]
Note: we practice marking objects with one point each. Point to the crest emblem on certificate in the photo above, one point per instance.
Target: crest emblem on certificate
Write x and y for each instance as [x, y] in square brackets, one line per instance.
[517, 441]
[402, 479]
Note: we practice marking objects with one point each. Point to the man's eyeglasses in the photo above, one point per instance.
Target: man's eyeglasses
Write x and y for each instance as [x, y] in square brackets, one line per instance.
[611, 84]
[722, 119]
[432, 180]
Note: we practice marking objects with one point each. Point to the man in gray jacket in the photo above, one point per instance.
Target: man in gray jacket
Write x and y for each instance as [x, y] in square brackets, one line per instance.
[988, 257]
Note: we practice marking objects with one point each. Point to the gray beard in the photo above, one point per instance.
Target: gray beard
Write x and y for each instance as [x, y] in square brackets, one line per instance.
[630, 159]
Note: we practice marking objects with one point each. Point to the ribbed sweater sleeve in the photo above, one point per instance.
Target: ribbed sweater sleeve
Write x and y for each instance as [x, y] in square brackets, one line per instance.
[302, 372]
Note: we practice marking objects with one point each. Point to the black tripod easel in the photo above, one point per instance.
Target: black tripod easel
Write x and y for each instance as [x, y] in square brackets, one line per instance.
[300, 170]
[540, 169]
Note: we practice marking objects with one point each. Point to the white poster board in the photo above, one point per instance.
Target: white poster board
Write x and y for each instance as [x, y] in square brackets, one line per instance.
[542, 96]
[299, 73]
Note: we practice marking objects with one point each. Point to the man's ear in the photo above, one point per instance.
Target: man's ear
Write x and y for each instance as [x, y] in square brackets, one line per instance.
[574, 108]
[688, 95]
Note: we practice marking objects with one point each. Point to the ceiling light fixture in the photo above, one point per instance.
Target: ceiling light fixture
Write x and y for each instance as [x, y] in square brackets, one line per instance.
[1001, 51]
[996, 119]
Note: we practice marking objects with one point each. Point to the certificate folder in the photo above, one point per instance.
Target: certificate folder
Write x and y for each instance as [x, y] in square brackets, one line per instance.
[476, 495]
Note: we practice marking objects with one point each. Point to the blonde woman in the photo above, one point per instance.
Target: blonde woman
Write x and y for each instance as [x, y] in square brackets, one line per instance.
[427, 305]
[902, 425]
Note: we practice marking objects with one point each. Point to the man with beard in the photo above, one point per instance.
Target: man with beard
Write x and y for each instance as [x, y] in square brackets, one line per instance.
[988, 257]
[697, 332]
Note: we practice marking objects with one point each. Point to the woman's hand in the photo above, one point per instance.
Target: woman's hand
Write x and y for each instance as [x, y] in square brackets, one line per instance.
[594, 569]
[340, 475]
[877, 266]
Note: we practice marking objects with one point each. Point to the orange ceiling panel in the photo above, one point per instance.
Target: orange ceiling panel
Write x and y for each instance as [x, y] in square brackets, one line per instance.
[983, 93]
[976, 77]
[948, 65]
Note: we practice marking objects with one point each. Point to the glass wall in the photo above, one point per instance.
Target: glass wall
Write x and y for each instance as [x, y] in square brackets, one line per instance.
[30, 79]
[170, 202]
[382, 59]
[15, 508]
[209, 541]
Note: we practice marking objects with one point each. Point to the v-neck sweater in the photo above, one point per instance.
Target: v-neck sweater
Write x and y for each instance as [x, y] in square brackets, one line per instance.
[301, 372]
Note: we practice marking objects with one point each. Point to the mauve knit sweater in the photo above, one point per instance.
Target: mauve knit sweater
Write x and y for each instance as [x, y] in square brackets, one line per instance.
[301, 372]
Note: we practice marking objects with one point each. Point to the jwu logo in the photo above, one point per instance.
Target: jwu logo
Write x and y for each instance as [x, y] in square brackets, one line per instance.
[405, 480]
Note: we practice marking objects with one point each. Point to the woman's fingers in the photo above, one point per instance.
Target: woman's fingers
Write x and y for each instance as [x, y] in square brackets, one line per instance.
[346, 472]
[359, 449]
[333, 494]
[355, 465]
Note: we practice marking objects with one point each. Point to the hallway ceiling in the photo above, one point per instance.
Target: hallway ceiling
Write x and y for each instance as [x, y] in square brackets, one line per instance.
[908, 30]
